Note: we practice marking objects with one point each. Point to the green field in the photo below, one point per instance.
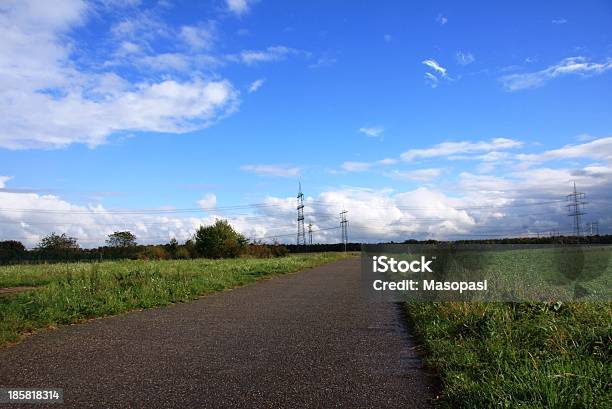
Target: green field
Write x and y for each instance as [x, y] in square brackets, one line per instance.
[69, 293]
[524, 354]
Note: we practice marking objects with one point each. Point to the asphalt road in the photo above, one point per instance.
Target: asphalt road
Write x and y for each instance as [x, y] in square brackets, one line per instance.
[301, 340]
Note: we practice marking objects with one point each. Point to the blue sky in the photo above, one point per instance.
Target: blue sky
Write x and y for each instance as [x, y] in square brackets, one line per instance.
[113, 105]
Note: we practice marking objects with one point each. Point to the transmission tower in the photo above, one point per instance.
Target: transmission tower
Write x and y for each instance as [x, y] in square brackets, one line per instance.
[344, 225]
[593, 227]
[301, 234]
[576, 209]
[310, 233]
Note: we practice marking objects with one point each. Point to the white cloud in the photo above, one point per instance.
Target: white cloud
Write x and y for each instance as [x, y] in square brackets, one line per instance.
[418, 175]
[166, 61]
[47, 102]
[208, 202]
[431, 80]
[372, 131]
[464, 58]
[273, 170]
[351, 166]
[238, 7]
[442, 20]
[585, 137]
[447, 149]
[559, 21]
[40, 120]
[273, 53]
[3, 180]
[199, 37]
[39, 215]
[255, 85]
[387, 161]
[599, 149]
[433, 64]
[572, 65]
[128, 47]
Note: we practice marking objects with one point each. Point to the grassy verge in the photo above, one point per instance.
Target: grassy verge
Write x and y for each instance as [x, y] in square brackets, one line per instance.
[511, 355]
[70, 293]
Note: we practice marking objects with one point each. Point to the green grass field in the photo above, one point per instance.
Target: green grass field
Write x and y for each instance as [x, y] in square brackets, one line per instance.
[524, 354]
[69, 293]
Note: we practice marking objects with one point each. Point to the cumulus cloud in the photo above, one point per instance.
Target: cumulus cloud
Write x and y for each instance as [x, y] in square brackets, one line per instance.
[3, 180]
[572, 65]
[255, 85]
[238, 7]
[273, 170]
[372, 131]
[48, 102]
[559, 21]
[208, 201]
[199, 37]
[40, 120]
[442, 20]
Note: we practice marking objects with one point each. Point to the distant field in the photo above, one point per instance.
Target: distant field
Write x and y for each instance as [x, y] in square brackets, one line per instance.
[71, 292]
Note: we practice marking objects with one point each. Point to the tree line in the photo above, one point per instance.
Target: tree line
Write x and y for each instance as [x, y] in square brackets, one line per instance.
[218, 240]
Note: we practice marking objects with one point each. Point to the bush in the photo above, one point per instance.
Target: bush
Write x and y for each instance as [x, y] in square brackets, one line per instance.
[11, 251]
[154, 253]
[259, 250]
[278, 250]
[219, 241]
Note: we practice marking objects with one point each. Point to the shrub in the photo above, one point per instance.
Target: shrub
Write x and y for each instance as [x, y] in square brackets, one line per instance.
[219, 241]
[154, 253]
[259, 250]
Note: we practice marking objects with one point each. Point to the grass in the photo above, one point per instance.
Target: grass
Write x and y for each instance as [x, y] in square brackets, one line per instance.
[518, 355]
[522, 354]
[72, 292]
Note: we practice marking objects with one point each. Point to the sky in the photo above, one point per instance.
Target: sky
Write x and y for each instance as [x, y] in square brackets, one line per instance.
[431, 119]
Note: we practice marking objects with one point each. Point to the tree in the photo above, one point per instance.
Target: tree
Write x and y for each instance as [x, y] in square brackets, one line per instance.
[11, 250]
[121, 239]
[219, 241]
[58, 242]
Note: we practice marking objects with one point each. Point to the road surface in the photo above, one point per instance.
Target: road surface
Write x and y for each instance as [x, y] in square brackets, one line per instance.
[300, 340]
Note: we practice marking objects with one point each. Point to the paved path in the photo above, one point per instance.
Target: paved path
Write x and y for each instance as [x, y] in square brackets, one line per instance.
[301, 340]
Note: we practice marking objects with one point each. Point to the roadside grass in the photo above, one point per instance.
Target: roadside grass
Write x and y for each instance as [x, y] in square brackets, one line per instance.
[511, 355]
[71, 292]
